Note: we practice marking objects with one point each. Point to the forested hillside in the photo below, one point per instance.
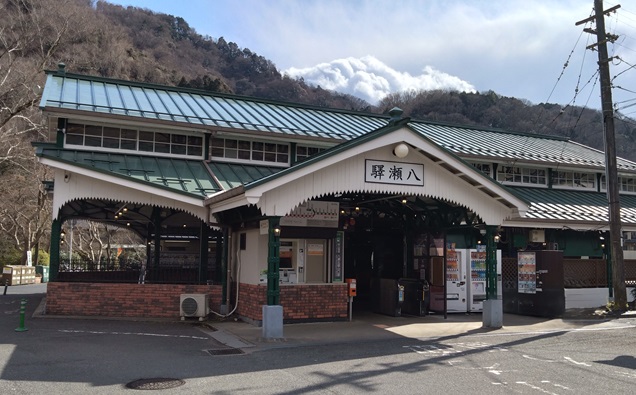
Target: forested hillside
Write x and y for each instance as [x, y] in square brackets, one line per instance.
[99, 38]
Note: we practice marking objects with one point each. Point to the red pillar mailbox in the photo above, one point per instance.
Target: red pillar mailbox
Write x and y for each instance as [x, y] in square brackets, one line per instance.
[352, 286]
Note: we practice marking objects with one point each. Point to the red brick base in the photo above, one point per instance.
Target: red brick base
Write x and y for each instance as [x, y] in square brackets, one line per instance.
[301, 302]
[123, 300]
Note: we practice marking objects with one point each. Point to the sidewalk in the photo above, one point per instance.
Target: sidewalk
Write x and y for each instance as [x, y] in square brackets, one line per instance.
[367, 326]
[377, 327]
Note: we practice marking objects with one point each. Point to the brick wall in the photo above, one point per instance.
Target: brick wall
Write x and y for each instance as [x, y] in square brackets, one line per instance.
[123, 300]
[301, 302]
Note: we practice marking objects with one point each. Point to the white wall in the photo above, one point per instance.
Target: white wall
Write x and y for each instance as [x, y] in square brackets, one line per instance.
[251, 259]
[582, 298]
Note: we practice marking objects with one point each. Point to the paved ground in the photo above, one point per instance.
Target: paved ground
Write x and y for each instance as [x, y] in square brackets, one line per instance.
[363, 327]
[80, 355]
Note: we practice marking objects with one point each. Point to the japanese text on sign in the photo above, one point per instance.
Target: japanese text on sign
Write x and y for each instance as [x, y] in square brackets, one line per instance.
[394, 173]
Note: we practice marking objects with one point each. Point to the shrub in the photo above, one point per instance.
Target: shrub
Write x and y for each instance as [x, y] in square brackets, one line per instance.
[44, 258]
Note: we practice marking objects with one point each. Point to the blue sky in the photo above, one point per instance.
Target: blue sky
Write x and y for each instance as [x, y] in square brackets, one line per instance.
[370, 48]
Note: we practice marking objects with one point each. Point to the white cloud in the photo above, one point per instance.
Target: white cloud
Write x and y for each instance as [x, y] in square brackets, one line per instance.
[371, 80]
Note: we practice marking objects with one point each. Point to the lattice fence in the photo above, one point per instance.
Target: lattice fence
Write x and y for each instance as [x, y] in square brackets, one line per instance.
[578, 273]
[509, 273]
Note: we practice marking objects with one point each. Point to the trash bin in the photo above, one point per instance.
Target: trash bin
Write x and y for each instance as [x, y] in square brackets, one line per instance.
[44, 271]
[415, 298]
[389, 296]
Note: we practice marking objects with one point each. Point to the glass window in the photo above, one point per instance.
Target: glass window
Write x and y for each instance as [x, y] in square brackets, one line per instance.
[304, 152]
[245, 150]
[115, 138]
[485, 168]
[625, 184]
[521, 175]
[572, 179]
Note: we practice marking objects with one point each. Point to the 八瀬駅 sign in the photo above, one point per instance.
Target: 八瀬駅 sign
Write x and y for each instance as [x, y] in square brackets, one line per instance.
[397, 173]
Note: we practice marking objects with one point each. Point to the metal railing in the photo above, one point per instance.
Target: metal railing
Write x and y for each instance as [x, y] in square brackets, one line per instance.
[129, 271]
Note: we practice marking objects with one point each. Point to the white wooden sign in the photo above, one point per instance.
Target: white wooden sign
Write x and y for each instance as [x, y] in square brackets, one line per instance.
[396, 173]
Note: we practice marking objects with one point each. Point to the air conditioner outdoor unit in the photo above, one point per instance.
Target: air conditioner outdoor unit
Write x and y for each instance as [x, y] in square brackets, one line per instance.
[193, 305]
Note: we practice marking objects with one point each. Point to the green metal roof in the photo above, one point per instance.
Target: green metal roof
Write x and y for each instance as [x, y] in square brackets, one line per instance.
[64, 91]
[189, 177]
[231, 175]
[200, 108]
[569, 205]
[512, 147]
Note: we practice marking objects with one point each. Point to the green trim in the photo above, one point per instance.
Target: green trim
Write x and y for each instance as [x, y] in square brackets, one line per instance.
[491, 263]
[54, 262]
[273, 263]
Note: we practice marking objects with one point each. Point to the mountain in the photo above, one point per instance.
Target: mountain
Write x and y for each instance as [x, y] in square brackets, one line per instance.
[137, 44]
[99, 38]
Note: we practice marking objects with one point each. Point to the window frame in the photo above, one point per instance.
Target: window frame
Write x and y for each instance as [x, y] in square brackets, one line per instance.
[235, 150]
[522, 173]
[145, 142]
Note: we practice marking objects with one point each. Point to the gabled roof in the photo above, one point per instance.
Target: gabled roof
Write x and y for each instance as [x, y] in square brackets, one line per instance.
[74, 94]
[341, 170]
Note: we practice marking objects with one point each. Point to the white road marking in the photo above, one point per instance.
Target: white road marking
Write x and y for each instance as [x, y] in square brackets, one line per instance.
[553, 331]
[534, 387]
[134, 334]
[558, 385]
[627, 374]
[538, 359]
[432, 349]
[576, 363]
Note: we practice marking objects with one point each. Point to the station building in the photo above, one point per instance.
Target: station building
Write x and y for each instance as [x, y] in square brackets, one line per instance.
[248, 203]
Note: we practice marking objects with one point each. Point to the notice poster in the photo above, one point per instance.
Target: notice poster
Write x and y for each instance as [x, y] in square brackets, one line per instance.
[527, 272]
[315, 249]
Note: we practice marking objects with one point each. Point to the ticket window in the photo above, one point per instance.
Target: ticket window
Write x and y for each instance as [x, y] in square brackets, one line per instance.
[315, 261]
[303, 261]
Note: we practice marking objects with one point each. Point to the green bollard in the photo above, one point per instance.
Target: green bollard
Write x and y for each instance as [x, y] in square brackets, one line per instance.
[21, 328]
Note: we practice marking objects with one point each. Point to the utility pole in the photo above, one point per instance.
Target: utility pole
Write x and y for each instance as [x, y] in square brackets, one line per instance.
[611, 172]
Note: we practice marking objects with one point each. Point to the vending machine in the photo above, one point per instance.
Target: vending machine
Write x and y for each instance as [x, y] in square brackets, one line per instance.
[456, 289]
[477, 278]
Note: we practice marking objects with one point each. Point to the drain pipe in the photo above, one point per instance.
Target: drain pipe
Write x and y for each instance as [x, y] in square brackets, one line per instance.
[229, 281]
[228, 246]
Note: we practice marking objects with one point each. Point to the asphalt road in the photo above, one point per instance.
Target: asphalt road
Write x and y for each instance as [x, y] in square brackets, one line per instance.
[81, 356]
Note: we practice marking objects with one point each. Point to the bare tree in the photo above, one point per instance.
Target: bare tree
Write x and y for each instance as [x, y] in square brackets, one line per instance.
[31, 33]
[25, 212]
[97, 242]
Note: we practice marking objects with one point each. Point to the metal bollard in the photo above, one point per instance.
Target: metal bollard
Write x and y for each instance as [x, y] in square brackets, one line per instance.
[21, 328]
[6, 284]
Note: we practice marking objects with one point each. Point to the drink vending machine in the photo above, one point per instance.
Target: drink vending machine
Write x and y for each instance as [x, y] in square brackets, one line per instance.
[456, 295]
[466, 279]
